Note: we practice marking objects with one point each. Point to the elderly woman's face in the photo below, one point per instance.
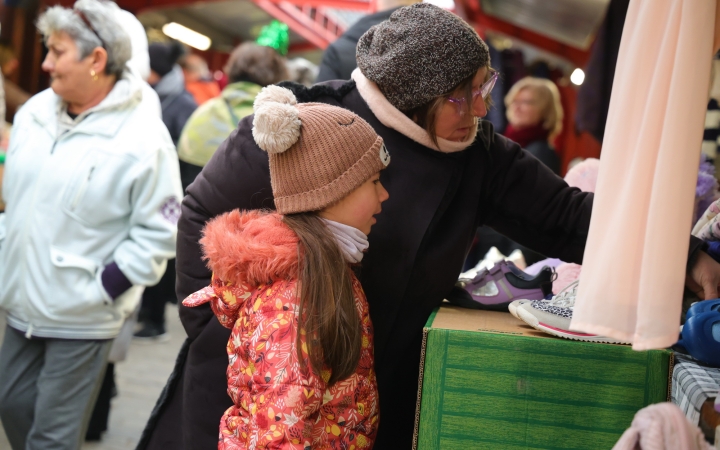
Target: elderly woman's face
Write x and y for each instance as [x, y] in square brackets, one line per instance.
[525, 109]
[454, 126]
[70, 76]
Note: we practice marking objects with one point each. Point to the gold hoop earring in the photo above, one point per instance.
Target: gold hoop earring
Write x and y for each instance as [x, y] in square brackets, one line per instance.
[93, 75]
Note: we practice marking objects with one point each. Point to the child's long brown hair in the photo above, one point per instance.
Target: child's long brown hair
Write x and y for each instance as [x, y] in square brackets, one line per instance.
[328, 314]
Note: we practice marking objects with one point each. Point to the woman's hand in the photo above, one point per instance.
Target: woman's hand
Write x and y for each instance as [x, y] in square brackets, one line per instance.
[704, 277]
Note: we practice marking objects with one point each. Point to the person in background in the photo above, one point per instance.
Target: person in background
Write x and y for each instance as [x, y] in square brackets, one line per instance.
[140, 59]
[15, 96]
[8, 60]
[535, 118]
[166, 78]
[302, 71]
[198, 80]
[99, 223]
[338, 60]
[250, 68]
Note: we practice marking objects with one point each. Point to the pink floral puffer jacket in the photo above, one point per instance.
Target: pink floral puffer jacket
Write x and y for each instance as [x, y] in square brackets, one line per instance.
[279, 403]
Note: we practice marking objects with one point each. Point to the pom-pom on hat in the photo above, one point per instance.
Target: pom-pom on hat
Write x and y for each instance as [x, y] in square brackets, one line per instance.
[420, 53]
[318, 153]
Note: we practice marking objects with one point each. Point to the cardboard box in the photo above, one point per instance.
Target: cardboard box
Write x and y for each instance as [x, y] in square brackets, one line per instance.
[488, 381]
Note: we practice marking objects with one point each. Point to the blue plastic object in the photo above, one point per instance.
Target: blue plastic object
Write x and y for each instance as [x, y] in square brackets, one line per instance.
[703, 306]
[701, 337]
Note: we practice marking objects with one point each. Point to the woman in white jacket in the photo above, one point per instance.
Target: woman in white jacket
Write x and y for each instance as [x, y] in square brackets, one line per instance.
[92, 188]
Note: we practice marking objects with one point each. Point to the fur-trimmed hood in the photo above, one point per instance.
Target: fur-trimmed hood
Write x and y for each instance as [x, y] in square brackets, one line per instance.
[250, 248]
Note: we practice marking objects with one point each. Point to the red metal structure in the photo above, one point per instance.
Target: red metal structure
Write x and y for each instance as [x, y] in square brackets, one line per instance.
[311, 19]
[314, 21]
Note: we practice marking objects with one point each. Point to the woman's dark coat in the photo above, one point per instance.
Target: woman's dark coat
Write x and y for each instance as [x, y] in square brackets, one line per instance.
[417, 249]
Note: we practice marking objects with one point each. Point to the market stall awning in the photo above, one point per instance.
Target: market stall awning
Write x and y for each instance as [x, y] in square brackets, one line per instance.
[314, 24]
[565, 28]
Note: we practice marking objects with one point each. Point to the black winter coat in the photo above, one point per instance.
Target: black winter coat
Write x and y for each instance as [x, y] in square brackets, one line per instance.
[338, 61]
[543, 151]
[417, 249]
[176, 110]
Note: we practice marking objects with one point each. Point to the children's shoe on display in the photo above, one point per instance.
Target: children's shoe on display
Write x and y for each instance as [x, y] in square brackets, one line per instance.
[491, 257]
[554, 316]
[497, 287]
[700, 336]
[703, 306]
[514, 305]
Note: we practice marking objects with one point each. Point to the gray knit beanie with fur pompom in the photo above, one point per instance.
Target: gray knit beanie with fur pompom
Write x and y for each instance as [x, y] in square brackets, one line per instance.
[421, 52]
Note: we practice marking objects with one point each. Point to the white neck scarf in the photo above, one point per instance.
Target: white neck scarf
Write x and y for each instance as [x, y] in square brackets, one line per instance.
[352, 241]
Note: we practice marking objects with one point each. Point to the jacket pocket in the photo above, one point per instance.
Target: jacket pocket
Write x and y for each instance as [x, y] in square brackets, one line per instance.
[79, 183]
[97, 194]
[78, 288]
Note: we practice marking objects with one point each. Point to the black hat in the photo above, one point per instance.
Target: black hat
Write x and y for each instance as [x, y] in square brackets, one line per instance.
[164, 56]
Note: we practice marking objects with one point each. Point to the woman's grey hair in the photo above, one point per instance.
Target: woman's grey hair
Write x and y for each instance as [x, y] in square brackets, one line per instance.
[102, 18]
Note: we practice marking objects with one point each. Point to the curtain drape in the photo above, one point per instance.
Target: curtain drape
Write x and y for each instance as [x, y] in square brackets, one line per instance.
[634, 264]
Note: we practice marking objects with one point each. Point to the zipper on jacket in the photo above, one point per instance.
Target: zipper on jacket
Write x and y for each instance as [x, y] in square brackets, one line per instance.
[81, 192]
[28, 333]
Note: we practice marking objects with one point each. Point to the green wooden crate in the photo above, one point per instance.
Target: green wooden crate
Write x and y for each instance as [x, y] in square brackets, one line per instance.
[488, 381]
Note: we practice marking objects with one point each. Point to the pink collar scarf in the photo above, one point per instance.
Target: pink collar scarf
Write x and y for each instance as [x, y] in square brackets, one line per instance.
[393, 118]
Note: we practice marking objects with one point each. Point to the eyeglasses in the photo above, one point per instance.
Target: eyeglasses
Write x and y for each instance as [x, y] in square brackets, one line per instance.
[483, 91]
[88, 24]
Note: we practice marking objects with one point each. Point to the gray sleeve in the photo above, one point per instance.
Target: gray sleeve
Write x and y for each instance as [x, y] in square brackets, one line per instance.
[329, 66]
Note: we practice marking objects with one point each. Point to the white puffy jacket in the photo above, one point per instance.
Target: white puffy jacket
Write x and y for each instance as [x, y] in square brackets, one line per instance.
[106, 191]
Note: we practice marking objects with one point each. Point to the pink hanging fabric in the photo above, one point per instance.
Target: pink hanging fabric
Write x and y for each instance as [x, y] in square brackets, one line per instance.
[634, 264]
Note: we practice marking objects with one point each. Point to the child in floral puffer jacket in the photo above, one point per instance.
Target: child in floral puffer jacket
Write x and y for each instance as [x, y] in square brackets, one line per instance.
[301, 370]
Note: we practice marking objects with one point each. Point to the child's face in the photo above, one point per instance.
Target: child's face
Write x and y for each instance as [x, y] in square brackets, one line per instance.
[358, 207]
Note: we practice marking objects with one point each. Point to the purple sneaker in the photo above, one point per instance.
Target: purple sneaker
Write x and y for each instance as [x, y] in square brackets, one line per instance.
[496, 288]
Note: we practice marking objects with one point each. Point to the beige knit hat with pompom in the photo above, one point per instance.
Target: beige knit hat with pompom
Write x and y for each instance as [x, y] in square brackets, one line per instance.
[318, 153]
